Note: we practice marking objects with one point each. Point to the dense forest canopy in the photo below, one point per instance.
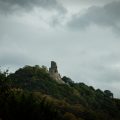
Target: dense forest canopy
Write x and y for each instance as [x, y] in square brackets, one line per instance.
[30, 93]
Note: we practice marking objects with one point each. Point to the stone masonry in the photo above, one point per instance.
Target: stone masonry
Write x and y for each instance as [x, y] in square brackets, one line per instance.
[53, 71]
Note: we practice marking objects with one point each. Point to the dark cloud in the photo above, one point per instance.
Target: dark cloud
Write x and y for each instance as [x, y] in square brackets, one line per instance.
[105, 16]
[7, 6]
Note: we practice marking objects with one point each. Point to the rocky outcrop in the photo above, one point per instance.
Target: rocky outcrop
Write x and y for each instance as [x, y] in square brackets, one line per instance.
[53, 71]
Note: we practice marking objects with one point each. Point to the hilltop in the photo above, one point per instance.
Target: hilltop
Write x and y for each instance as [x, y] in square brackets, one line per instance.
[34, 92]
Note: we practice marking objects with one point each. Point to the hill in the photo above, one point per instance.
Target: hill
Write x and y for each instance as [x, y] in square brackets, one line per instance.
[32, 93]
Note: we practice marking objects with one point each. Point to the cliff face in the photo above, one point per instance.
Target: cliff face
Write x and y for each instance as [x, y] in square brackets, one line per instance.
[53, 71]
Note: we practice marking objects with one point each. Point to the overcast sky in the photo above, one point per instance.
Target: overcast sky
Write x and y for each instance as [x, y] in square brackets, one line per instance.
[82, 36]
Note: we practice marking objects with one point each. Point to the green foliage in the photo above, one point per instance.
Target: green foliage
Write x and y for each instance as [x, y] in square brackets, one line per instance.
[4, 83]
[24, 105]
[30, 93]
[67, 80]
[108, 93]
[69, 116]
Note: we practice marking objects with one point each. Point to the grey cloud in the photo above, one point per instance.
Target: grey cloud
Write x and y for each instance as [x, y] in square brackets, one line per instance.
[10, 59]
[7, 6]
[85, 56]
[106, 16]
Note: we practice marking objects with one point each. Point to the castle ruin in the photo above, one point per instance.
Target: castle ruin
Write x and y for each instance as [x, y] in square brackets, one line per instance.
[53, 71]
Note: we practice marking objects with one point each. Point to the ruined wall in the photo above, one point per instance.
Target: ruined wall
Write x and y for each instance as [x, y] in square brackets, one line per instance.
[53, 71]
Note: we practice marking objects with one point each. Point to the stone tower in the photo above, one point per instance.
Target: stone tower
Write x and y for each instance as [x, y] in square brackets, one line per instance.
[53, 71]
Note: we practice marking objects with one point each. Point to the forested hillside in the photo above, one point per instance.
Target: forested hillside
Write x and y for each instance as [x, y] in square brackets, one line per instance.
[30, 93]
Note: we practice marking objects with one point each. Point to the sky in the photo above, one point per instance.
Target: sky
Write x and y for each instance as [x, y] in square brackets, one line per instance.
[82, 36]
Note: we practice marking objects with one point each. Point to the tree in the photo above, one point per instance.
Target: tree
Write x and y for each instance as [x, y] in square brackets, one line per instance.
[4, 82]
[69, 116]
[67, 80]
[108, 93]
